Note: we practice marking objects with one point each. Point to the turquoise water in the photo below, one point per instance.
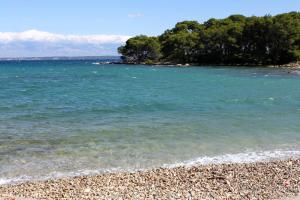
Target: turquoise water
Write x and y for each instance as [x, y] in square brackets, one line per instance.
[61, 118]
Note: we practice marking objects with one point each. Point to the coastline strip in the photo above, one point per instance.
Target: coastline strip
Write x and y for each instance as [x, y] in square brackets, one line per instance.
[260, 180]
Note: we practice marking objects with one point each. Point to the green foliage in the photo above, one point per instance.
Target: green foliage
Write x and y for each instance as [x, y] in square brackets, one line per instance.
[180, 44]
[140, 49]
[149, 62]
[233, 40]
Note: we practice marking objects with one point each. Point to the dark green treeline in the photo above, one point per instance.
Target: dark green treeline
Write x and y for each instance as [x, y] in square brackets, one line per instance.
[233, 40]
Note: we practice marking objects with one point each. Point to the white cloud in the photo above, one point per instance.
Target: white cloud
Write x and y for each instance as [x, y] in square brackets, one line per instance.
[40, 43]
[135, 15]
[42, 36]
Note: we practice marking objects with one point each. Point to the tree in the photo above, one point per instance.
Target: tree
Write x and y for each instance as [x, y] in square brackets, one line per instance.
[234, 40]
[180, 44]
[141, 49]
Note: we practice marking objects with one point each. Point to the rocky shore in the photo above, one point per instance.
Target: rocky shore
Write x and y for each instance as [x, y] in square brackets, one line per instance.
[263, 180]
[293, 65]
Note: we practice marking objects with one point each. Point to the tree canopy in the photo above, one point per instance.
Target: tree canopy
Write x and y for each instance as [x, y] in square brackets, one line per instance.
[141, 49]
[234, 40]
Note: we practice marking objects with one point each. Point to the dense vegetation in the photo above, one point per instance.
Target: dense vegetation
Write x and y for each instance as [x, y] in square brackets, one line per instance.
[233, 40]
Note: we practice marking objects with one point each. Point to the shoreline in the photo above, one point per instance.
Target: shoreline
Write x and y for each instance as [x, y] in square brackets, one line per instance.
[284, 66]
[227, 158]
[259, 180]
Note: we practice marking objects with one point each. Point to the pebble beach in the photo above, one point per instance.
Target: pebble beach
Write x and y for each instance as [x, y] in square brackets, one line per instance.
[261, 180]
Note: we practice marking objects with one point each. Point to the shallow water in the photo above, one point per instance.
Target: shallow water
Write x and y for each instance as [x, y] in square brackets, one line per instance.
[72, 117]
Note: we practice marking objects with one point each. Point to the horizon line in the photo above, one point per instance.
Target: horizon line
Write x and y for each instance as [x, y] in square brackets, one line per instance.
[56, 57]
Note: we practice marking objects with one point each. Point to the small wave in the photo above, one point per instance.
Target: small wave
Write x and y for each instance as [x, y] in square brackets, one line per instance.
[247, 157]
[57, 175]
[5, 181]
[101, 63]
[297, 72]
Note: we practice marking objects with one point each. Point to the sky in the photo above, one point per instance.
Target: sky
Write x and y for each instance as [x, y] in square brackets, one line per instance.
[97, 27]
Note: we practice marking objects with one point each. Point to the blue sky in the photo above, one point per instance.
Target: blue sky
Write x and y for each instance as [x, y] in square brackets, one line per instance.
[65, 19]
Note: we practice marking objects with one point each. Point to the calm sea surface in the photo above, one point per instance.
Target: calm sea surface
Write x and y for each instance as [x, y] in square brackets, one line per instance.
[64, 118]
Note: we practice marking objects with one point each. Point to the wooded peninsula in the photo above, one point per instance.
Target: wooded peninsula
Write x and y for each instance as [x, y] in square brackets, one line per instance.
[235, 40]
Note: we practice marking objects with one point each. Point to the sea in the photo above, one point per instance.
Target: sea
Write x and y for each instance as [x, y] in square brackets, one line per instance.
[62, 118]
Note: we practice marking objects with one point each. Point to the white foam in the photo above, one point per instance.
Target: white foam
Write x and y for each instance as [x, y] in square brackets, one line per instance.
[296, 72]
[246, 157]
[57, 175]
[4, 181]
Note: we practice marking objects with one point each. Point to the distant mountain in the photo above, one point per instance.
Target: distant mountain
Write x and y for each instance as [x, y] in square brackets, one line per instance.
[104, 58]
